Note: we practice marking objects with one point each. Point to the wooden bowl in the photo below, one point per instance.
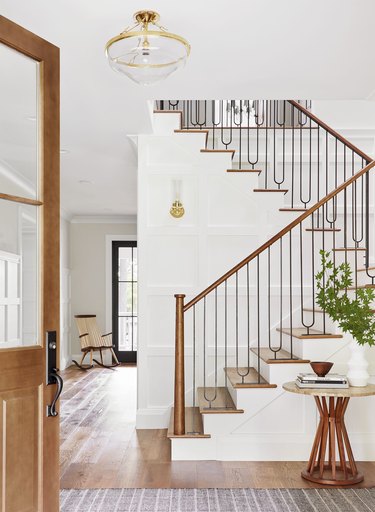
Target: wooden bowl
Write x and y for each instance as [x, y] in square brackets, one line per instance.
[321, 368]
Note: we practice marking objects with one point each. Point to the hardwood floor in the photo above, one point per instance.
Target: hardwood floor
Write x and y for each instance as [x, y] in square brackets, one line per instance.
[100, 447]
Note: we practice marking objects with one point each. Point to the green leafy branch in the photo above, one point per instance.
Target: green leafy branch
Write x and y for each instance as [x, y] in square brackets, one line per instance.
[355, 315]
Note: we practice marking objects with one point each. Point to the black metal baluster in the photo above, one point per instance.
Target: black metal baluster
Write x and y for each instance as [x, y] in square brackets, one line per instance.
[258, 317]
[194, 356]
[226, 329]
[215, 338]
[236, 325]
[269, 296]
[291, 293]
[281, 294]
[324, 277]
[266, 150]
[292, 164]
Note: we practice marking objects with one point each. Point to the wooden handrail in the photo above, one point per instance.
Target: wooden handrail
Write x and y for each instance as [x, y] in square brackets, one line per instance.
[280, 234]
[331, 131]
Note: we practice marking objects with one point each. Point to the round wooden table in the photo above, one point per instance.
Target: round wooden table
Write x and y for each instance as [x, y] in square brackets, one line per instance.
[332, 433]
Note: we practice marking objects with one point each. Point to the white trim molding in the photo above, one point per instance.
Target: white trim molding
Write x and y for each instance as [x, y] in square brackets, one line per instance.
[104, 219]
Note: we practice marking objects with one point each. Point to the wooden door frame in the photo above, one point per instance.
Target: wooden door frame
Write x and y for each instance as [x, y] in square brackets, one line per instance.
[20, 39]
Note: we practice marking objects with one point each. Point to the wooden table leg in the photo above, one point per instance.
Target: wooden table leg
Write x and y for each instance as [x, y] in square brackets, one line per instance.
[331, 429]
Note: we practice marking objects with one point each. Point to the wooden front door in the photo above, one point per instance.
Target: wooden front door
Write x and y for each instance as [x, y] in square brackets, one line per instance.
[29, 268]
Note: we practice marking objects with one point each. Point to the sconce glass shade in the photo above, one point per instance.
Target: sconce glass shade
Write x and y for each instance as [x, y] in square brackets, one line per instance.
[147, 56]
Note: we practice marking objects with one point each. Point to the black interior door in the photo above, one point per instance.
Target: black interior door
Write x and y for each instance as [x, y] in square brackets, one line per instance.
[124, 300]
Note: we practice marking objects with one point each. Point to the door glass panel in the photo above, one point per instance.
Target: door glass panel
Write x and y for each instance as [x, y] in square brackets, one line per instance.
[124, 307]
[19, 282]
[125, 299]
[18, 124]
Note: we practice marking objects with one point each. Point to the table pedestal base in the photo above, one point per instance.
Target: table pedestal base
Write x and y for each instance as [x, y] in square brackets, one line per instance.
[332, 437]
[340, 479]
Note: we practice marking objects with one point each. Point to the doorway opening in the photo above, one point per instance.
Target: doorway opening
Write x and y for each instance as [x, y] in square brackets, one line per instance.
[124, 300]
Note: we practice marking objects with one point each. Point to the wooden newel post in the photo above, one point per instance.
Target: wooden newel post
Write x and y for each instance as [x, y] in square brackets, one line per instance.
[179, 372]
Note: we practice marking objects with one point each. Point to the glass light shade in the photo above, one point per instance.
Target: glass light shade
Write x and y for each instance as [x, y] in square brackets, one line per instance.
[147, 56]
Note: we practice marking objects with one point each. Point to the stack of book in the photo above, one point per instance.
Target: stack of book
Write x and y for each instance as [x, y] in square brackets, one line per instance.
[331, 380]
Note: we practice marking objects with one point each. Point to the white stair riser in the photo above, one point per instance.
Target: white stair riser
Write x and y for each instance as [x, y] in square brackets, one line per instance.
[279, 372]
[166, 124]
[314, 348]
[194, 449]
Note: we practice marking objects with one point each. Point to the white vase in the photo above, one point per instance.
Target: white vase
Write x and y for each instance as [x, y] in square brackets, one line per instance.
[357, 365]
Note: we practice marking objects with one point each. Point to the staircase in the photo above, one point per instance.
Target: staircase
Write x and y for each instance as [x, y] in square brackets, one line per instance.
[257, 326]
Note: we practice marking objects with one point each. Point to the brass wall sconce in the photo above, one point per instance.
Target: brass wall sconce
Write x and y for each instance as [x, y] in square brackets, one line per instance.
[177, 210]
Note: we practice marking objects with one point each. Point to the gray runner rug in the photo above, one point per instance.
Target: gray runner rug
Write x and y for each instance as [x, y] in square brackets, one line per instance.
[217, 500]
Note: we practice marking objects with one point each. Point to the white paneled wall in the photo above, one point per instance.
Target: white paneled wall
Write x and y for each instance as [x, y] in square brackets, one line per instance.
[10, 299]
[224, 222]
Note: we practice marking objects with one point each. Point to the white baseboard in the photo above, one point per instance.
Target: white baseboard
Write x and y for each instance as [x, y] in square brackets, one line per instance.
[65, 362]
[153, 417]
[258, 447]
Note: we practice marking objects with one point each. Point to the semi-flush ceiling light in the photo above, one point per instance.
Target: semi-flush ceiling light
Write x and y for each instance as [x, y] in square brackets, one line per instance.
[147, 55]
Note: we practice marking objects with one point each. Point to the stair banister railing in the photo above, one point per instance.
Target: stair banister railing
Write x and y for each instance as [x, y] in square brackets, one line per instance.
[327, 208]
[328, 129]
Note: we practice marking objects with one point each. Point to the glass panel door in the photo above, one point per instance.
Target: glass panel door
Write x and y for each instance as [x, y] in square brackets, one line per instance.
[124, 300]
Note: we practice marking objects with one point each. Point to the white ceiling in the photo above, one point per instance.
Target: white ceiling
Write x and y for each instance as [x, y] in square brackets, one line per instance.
[240, 49]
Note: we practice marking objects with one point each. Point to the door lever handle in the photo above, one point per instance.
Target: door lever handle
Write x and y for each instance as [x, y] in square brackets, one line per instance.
[54, 377]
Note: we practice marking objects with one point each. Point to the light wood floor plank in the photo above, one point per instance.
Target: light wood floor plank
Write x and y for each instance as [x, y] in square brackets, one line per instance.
[101, 449]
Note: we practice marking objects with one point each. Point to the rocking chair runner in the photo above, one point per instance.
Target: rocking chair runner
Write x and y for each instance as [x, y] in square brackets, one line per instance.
[92, 341]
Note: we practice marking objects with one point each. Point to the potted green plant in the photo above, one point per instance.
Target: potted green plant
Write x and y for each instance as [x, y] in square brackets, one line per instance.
[351, 310]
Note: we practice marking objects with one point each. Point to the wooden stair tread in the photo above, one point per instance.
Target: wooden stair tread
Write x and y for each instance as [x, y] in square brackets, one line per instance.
[331, 230]
[283, 190]
[168, 112]
[218, 151]
[193, 425]
[292, 209]
[205, 132]
[342, 249]
[191, 131]
[364, 269]
[361, 287]
[283, 357]
[300, 333]
[249, 381]
[223, 404]
[244, 170]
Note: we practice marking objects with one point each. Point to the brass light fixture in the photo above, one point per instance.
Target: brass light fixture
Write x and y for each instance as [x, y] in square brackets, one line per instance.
[147, 55]
[177, 210]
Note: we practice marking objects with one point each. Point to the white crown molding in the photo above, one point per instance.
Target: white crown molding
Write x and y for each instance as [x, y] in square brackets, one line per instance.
[104, 219]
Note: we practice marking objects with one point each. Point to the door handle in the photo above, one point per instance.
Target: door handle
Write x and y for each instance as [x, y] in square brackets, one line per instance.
[54, 377]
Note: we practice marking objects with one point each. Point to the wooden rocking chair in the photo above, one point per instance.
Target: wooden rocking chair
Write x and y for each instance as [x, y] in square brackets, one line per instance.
[92, 341]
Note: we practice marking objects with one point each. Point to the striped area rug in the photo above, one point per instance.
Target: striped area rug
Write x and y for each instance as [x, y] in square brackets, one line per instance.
[217, 500]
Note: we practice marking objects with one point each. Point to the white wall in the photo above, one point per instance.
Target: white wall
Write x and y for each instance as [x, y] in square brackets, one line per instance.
[350, 114]
[224, 222]
[88, 270]
[65, 305]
